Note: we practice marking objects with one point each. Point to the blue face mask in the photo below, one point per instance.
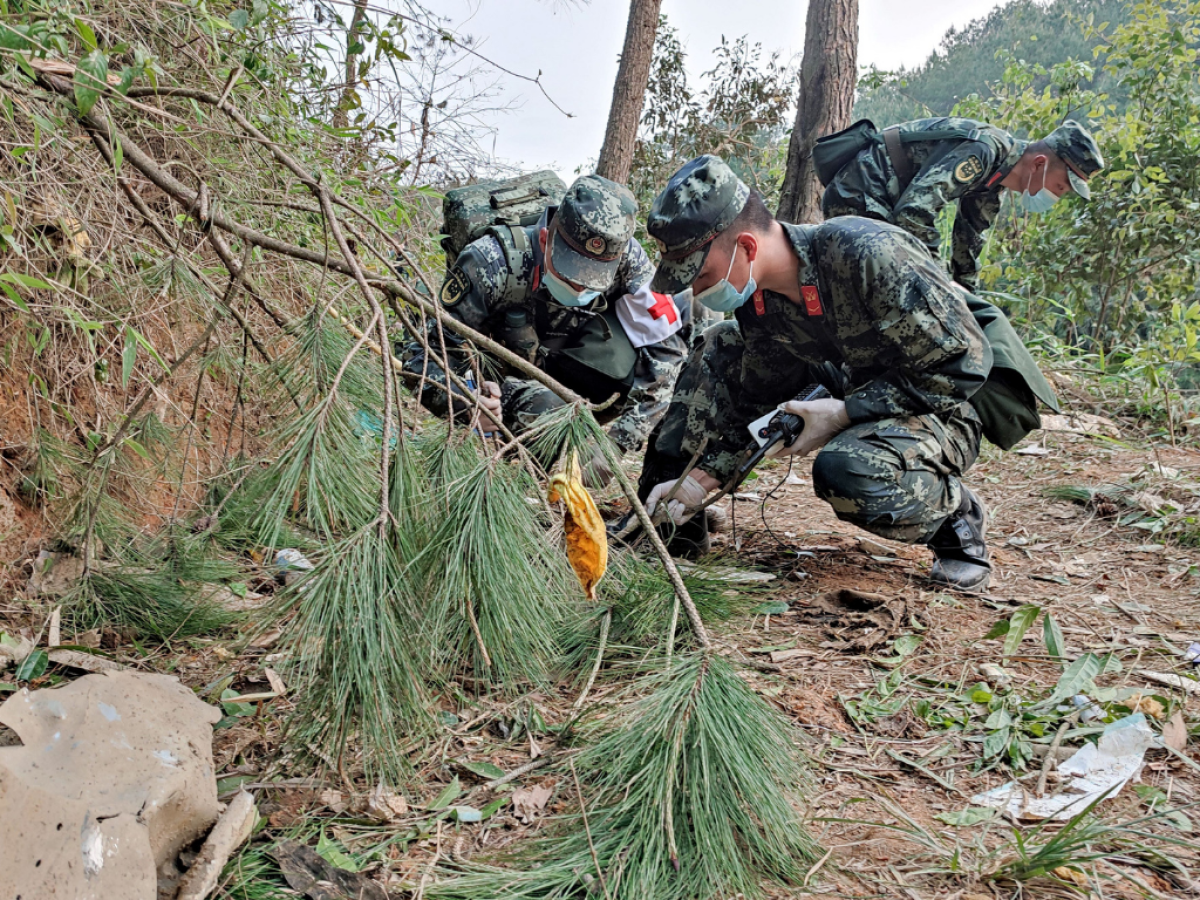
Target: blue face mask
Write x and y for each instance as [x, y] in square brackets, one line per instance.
[723, 296]
[563, 292]
[1041, 201]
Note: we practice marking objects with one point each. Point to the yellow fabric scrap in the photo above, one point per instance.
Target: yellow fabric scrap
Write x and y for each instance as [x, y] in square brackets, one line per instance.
[587, 542]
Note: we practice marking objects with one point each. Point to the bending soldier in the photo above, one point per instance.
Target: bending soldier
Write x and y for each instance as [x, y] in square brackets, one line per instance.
[852, 295]
[571, 294]
[909, 172]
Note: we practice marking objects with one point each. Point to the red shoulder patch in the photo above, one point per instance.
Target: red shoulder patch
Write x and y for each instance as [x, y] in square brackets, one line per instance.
[812, 300]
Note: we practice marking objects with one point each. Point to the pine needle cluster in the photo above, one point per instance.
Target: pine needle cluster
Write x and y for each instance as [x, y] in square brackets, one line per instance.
[693, 791]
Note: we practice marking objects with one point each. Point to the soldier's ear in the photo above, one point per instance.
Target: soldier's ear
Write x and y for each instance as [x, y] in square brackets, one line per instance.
[543, 236]
[748, 242]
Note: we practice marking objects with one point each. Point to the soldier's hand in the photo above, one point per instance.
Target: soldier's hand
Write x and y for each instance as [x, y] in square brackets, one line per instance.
[681, 506]
[489, 402]
[823, 419]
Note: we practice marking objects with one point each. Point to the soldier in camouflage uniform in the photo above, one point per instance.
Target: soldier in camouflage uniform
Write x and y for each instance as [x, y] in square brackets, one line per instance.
[570, 294]
[854, 296]
[912, 170]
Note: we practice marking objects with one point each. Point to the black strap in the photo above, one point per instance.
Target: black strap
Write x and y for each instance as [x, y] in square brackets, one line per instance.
[895, 150]
[894, 140]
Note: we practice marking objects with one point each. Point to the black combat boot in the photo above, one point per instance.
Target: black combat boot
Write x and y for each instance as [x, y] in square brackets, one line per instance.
[960, 547]
[687, 541]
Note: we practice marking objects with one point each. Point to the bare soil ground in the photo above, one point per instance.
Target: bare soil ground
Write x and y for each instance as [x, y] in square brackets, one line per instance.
[882, 776]
[1112, 589]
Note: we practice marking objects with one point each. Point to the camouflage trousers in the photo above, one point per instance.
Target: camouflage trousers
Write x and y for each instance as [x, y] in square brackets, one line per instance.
[865, 186]
[897, 478]
[523, 401]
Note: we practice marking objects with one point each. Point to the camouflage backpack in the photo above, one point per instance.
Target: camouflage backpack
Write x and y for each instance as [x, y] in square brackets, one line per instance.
[467, 212]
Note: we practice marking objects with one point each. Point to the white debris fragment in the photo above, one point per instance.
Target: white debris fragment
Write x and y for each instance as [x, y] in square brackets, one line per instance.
[1099, 770]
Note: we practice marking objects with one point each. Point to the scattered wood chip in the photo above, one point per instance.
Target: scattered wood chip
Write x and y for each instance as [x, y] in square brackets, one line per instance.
[227, 835]
[779, 656]
[1081, 423]
[529, 801]
[1175, 733]
[54, 637]
[857, 620]
[334, 800]
[1146, 705]
[310, 875]
[385, 804]
[267, 639]
[85, 661]
[275, 681]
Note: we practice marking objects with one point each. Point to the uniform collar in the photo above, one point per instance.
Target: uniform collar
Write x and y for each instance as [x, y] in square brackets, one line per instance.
[535, 240]
[1016, 149]
[800, 237]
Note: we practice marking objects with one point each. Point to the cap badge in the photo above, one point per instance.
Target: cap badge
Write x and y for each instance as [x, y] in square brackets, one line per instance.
[595, 245]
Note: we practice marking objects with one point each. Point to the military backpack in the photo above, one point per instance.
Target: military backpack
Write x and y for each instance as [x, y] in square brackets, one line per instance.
[468, 212]
[831, 153]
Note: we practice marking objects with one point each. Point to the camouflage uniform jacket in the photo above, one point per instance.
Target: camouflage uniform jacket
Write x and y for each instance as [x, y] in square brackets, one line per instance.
[874, 304]
[477, 292]
[963, 170]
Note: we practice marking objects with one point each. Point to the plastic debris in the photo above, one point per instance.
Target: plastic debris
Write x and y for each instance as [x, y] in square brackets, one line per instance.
[1087, 708]
[291, 560]
[1096, 770]
[292, 564]
[587, 543]
[1172, 680]
[1192, 654]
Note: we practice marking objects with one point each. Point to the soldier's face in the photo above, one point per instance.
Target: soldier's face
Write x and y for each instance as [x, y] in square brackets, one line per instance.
[733, 259]
[1054, 171]
[543, 237]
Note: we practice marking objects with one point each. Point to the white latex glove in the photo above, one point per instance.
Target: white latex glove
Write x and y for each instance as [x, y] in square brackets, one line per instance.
[690, 494]
[489, 403]
[823, 419]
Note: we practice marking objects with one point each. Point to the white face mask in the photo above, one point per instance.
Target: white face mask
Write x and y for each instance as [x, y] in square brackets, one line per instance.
[723, 296]
[560, 290]
[1041, 201]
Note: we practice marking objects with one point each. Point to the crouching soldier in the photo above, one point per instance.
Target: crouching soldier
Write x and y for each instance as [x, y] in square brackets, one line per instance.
[852, 295]
[570, 294]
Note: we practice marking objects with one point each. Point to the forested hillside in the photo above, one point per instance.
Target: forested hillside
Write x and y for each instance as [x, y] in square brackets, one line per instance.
[970, 59]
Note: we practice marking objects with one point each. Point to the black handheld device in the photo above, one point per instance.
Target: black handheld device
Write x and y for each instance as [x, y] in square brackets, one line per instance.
[782, 428]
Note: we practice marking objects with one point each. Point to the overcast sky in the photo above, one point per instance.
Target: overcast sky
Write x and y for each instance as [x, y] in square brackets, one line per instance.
[576, 45]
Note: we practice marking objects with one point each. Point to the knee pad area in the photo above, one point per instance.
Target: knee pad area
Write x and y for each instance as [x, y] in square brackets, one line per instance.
[850, 473]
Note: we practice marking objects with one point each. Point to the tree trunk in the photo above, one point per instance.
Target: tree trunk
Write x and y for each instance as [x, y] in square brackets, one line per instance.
[828, 73]
[629, 92]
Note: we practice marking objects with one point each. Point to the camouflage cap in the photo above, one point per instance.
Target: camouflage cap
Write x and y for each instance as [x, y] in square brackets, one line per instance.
[1074, 145]
[699, 202]
[590, 231]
